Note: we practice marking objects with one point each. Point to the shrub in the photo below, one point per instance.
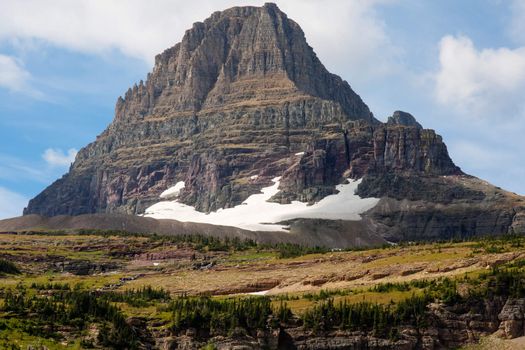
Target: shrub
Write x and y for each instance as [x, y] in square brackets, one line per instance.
[8, 267]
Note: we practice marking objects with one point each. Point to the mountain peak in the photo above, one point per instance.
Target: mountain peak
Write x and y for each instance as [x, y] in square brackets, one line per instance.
[243, 101]
[403, 118]
[240, 56]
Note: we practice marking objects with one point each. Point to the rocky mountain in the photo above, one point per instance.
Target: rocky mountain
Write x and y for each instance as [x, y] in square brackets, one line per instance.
[242, 103]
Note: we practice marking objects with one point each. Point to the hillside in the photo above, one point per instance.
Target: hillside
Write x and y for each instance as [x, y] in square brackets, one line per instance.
[95, 289]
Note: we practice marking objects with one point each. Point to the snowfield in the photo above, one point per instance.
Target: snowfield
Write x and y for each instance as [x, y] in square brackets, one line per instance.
[256, 214]
[172, 191]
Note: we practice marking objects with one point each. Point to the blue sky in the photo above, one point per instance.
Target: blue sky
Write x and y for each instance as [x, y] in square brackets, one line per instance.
[457, 66]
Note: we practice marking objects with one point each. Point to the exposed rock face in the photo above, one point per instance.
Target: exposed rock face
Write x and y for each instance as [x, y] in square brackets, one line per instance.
[356, 149]
[242, 99]
[403, 118]
[512, 318]
[239, 94]
[443, 208]
[83, 268]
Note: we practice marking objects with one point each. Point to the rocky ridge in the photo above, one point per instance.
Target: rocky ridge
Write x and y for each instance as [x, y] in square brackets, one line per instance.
[242, 99]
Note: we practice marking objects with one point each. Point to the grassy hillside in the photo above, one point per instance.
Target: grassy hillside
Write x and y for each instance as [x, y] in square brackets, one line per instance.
[91, 289]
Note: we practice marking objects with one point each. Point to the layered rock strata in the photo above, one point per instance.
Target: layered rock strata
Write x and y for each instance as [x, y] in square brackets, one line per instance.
[243, 99]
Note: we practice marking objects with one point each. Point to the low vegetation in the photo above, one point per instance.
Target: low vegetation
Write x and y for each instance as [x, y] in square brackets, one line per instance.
[38, 314]
[139, 286]
[385, 320]
[7, 267]
[44, 315]
[220, 317]
[380, 320]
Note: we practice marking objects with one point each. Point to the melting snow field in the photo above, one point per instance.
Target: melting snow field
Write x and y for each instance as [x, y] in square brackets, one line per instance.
[264, 292]
[256, 214]
[173, 191]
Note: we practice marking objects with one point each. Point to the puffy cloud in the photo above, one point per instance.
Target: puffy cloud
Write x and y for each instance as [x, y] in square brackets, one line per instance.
[349, 36]
[480, 108]
[11, 203]
[486, 82]
[13, 76]
[58, 158]
[141, 28]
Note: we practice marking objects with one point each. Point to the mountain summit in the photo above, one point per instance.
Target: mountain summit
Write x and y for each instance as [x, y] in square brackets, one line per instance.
[241, 104]
[240, 57]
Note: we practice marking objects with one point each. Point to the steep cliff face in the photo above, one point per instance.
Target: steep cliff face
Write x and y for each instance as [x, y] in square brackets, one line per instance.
[359, 149]
[241, 92]
[239, 57]
[243, 99]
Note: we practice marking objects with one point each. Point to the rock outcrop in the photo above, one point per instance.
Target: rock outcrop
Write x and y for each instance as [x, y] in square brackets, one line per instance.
[512, 319]
[403, 118]
[243, 99]
[446, 327]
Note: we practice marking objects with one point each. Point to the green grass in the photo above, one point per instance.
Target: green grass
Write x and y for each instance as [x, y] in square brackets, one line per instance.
[253, 258]
[250, 256]
[85, 282]
[16, 339]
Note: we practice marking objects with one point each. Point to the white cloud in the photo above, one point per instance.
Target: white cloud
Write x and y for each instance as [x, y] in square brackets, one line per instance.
[11, 203]
[140, 28]
[486, 82]
[13, 76]
[348, 36]
[58, 158]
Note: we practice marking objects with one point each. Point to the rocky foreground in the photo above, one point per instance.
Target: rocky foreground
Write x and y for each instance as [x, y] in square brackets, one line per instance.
[108, 289]
[447, 327]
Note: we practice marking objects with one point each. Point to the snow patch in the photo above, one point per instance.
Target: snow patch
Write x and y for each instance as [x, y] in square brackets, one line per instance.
[257, 214]
[299, 154]
[263, 292]
[173, 191]
[253, 177]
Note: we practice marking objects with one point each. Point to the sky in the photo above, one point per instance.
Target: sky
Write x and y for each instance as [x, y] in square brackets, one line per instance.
[457, 66]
